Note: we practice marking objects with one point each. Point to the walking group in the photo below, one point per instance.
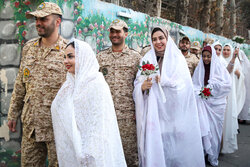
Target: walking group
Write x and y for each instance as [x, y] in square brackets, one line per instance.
[163, 107]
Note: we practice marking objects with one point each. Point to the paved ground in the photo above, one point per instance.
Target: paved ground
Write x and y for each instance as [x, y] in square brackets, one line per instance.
[240, 158]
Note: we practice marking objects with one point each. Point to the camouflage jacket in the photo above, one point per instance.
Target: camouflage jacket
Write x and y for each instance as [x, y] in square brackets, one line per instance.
[119, 70]
[40, 76]
[192, 62]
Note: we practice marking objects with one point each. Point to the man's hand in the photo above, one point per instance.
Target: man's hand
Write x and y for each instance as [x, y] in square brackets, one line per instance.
[12, 126]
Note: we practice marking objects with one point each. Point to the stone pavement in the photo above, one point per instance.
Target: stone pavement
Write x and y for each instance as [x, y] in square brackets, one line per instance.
[241, 158]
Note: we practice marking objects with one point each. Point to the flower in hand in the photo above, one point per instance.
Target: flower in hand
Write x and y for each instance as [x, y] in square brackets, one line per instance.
[205, 93]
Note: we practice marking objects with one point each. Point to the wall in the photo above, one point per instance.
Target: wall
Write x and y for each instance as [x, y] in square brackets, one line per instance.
[86, 20]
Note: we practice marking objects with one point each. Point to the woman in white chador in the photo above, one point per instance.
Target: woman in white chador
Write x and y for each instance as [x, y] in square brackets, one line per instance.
[218, 48]
[83, 115]
[245, 112]
[235, 101]
[212, 74]
[166, 114]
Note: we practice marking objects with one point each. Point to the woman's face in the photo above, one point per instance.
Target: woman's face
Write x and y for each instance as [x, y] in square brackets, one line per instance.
[69, 59]
[226, 51]
[159, 41]
[206, 57]
[218, 49]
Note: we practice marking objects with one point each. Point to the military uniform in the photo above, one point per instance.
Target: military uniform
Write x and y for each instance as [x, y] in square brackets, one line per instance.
[40, 76]
[145, 50]
[119, 70]
[192, 62]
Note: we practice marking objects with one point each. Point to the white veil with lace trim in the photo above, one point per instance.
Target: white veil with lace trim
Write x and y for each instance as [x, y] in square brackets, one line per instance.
[83, 116]
[235, 102]
[168, 133]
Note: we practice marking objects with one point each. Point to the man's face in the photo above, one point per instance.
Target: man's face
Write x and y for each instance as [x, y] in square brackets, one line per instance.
[184, 45]
[45, 26]
[194, 51]
[117, 37]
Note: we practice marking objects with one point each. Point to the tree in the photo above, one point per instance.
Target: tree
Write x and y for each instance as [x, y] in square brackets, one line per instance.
[205, 16]
[219, 17]
[233, 18]
[182, 12]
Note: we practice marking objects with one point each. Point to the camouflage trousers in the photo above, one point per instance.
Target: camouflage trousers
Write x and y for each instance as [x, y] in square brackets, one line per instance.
[127, 129]
[34, 154]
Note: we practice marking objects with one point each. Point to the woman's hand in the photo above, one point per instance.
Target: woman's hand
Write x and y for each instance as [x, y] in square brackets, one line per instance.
[147, 84]
[237, 72]
[158, 79]
[236, 53]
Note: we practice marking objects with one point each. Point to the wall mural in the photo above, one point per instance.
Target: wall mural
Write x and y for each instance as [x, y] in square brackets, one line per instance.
[91, 21]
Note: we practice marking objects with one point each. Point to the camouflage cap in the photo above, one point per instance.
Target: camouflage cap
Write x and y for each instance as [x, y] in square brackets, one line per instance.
[185, 38]
[209, 40]
[195, 45]
[118, 24]
[45, 9]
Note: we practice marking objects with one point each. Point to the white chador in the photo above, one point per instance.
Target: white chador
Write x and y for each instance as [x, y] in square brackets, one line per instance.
[235, 102]
[245, 112]
[211, 110]
[83, 116]
[167, 121]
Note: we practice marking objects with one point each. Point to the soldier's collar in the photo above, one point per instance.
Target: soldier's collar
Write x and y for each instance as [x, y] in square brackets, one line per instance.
[56, 47]
[124, 50]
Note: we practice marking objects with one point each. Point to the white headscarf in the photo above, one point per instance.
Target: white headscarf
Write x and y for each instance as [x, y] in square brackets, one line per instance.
[83, 116]
[220, 56]
[168, 133]
[245, 113]
[235, 104]
[211, 110]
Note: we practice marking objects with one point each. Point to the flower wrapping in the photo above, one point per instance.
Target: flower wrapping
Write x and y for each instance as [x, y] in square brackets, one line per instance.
[205, 92]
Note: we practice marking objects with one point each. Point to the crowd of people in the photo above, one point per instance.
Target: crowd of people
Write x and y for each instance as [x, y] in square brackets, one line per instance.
[180, 108]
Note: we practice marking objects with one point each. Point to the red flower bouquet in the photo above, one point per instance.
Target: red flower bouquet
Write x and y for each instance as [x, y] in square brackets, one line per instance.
[205, 93]
[147, 68]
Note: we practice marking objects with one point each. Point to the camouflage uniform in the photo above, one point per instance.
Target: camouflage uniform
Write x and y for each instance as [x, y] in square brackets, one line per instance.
[119, 70]
[40, 76]
[192, 62]
[145, 50]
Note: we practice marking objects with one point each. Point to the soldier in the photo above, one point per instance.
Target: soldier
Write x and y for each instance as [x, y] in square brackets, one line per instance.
[145, 49]
[40, 76]
[208, 41]
[119, 67]
[192, 60]
[196, 49]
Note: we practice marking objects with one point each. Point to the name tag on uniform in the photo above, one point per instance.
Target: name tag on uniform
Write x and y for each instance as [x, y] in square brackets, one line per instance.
[26, 72]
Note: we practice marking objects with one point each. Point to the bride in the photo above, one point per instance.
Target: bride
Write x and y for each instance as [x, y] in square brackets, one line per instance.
[83, 115]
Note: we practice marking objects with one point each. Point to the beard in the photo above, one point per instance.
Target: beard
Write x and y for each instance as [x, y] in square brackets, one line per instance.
[184, 49]
[47, 30]
[117, 42]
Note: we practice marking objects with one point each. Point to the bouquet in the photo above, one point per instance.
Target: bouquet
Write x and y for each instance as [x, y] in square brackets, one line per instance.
[205, 92]
[147, 69]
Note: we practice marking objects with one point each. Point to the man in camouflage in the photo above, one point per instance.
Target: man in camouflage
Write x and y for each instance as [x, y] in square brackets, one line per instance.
[192, 60]
[196, 49]
[119, 67]
[40, 76]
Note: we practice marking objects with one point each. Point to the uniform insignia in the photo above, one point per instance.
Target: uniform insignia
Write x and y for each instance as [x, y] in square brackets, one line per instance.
[26, 72]
[41, 6]
[105, 71]
[36, 43]
[57, 47]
